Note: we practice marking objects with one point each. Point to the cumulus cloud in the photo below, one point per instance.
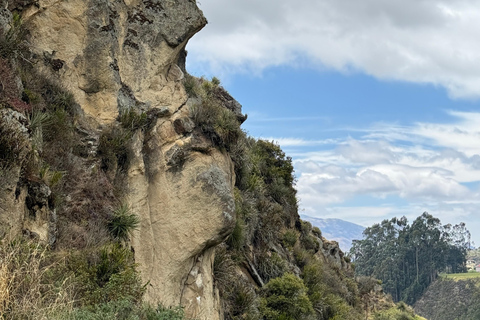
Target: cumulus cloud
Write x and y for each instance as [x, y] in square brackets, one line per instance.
[431, 167]
[422, 41]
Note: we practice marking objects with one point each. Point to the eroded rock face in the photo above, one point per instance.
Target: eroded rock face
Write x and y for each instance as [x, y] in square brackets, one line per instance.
[24, 205]
[116, 54]
[120, 54]
[185, 201]
[12, 196]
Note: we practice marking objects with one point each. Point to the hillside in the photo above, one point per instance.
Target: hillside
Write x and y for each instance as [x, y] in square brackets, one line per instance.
[452, 297]
[342, 231]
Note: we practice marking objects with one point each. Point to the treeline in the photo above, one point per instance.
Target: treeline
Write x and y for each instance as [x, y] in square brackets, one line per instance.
[408, 257]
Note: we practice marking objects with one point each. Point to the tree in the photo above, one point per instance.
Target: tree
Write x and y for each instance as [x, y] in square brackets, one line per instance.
[407, 258]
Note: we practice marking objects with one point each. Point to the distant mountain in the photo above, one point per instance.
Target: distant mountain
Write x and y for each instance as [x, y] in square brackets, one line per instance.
[339, 230]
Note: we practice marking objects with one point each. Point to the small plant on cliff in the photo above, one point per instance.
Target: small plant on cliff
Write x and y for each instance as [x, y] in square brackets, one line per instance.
[133, 120]
[113, 148]
[123, 223]
[12, 42]
[216, 121]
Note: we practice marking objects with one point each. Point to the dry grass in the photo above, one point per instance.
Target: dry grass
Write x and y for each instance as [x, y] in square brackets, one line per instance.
[30, 285]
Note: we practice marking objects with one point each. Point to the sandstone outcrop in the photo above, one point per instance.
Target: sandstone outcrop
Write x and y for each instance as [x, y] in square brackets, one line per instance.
[115, 56]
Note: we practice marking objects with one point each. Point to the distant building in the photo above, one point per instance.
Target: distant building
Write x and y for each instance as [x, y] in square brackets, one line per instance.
[477, 268]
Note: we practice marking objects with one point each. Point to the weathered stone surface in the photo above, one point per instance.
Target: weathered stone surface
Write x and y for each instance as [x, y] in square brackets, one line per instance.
[184, 213]
[115, 54]
[5, 17]
[330, 251]
[12, 196]
[183, 125]
[230, 103]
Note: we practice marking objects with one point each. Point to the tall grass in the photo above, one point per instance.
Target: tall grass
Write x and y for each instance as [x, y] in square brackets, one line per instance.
[29, 286]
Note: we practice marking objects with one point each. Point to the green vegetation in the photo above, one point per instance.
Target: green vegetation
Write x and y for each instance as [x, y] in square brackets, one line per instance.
[217, 122]
[451, 298]
[400, 312]
[268, 236]
[460, 276]
[123, 310]
[286, 298]
[407, 258]
[123, 223]
[13, 44]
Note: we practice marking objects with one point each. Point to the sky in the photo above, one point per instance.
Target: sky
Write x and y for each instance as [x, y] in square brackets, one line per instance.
[377, 102]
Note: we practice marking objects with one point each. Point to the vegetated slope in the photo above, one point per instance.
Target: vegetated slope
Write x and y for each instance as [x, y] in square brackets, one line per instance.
[344, 232]
[157, 195]
[451, 298]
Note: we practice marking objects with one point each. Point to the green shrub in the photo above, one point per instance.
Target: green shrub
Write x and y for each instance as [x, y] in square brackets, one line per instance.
[113, 148]
[286, 298]
[105, 274]
[215, 81]
[13, 44]
[317, 232]
[123, 223]
[310, 243]
[238, 296]
[217, 122]
[123, 310]
[191, 85]
[236, 240]
[270, 265]
[133, 120]
[289, 238]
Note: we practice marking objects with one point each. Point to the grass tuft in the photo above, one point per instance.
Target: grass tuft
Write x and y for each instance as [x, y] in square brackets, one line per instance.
[123, 223]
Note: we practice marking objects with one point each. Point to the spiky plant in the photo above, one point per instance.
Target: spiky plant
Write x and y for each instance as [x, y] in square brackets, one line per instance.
[123, 223]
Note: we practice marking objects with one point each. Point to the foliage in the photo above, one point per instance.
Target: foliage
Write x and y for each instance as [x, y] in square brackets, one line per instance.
[270, 265]
[286, 298]
[289, 238]
[105, 274]
[13, 44]
[216, 121]
[407, 258]
[113, 148]
[123, 310]
[239, 298]
[123, 223]
[400, 312]
[133, 120]
[236, 240]
[30, 288]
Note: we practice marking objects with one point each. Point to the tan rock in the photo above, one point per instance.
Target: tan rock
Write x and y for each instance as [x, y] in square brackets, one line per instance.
[184, 212]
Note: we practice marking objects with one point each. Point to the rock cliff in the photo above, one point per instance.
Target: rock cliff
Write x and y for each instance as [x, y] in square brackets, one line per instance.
[103, 115]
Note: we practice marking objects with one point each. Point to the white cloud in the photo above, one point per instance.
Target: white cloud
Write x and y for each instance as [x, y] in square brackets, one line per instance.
[423, 41]
[425, 167]
[296, 142]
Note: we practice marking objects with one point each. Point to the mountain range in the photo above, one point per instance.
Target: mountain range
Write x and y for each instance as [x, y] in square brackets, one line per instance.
[342, 231]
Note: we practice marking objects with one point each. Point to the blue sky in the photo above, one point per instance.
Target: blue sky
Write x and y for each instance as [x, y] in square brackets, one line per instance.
[377, 102]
